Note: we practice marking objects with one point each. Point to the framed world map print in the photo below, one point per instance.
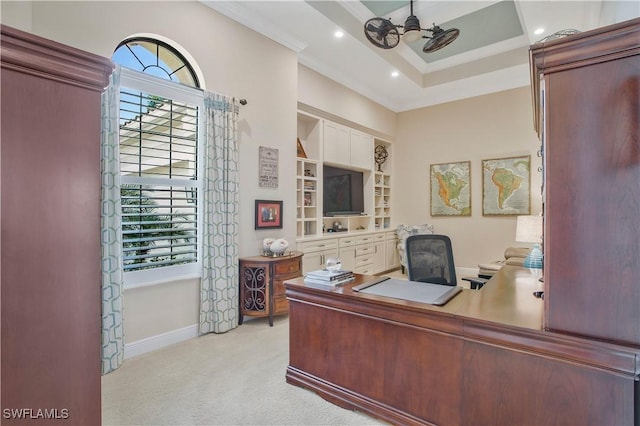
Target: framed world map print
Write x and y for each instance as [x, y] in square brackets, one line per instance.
[450, 189]
[506, 184]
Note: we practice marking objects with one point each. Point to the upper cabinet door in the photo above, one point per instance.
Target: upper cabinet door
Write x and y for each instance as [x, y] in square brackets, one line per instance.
[336, 144]
[361, 150]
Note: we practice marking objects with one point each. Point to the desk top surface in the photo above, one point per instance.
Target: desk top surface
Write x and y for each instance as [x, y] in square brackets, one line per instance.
[507, 298]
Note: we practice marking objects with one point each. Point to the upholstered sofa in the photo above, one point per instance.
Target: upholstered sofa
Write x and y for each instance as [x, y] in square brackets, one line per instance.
[512, 256]
[403, 231]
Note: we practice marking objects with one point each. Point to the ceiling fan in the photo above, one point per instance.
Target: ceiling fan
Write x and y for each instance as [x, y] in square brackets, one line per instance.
[382, 33]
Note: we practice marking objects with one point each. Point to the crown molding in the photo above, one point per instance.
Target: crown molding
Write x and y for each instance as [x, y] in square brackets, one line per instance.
[237, 11]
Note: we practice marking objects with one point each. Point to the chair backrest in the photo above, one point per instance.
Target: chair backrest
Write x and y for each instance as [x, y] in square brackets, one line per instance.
[430, 259]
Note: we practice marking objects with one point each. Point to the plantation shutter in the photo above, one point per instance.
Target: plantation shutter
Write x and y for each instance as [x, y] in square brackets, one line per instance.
[160, 182]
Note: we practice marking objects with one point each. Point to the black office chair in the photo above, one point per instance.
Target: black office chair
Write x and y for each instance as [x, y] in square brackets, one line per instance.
[430, 259]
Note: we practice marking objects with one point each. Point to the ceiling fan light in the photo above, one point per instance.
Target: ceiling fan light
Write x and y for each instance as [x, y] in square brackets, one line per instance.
[411, 36]
[411, 29]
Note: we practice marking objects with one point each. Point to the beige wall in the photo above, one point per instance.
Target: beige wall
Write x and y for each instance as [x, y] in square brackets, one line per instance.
[490, 126]
[341, 104]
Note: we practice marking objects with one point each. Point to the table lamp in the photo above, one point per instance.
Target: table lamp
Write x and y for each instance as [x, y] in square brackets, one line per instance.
[529, 230]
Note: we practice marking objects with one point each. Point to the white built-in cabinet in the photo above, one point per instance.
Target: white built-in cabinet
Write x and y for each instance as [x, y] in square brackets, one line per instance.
[347, 147]
[368, 253]
[382, 200]
[369, 245]
[307, 197]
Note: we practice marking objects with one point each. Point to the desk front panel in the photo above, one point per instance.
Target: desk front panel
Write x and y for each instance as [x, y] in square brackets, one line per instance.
[504, 386]
[417, 371]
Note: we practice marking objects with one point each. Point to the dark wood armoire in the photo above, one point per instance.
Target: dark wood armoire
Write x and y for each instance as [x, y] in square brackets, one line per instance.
[587, 88]
[50, 241]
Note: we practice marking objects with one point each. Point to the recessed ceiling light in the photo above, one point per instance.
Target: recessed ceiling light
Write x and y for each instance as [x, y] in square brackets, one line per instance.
[394, 74]
[538, 31]
[339, 34]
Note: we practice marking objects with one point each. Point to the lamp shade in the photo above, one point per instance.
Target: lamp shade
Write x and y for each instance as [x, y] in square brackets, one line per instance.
[529, 229]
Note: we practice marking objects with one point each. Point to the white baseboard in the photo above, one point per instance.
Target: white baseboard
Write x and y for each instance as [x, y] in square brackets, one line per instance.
[159, 341]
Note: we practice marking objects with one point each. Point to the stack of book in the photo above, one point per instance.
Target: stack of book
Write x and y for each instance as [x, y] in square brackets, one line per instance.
[328, 278]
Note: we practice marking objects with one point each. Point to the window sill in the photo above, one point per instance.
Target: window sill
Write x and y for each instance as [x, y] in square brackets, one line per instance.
[160, 281]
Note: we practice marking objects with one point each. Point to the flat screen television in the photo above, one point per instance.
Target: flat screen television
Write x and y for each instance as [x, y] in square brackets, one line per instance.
[343, 192]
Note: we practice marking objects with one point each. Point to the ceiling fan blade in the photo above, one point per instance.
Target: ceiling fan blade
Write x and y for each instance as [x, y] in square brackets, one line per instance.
[371, 28]
[381, 33]
[440, 38]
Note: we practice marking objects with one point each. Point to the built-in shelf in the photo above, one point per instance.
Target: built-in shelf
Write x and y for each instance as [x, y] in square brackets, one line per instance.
[317, 143]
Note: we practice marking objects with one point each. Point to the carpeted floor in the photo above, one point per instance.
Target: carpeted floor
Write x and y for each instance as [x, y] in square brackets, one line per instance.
[236, 378]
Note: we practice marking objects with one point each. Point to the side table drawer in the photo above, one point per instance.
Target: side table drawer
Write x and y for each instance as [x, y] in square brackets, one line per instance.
[278, 284]
[287, 267]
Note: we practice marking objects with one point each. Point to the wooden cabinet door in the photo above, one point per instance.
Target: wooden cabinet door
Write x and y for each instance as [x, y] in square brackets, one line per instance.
[592, 202]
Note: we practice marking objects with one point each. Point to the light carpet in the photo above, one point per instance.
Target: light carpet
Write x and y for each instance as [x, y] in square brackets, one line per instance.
[235, 378]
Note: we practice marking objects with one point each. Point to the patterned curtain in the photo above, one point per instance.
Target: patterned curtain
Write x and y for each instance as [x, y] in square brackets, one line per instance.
[219, 283]
[111, 238]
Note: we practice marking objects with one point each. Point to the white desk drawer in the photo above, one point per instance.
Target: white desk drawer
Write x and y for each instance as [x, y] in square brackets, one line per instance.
[365, 269]
[365, 250]
[364, 261]
[347, 241]
[379, 237]
[317, 245]
[390, 236]
[364, 239]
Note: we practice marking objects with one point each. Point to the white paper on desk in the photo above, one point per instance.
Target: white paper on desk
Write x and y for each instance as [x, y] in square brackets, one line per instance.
[433, 294]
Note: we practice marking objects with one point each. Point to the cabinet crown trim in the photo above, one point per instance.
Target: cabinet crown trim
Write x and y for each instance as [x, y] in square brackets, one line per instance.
[35, 55]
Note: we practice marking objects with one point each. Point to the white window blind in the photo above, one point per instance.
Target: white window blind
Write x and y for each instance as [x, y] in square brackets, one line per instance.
[159, 145]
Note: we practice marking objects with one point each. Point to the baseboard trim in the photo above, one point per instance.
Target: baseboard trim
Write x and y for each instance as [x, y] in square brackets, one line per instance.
[159, 341]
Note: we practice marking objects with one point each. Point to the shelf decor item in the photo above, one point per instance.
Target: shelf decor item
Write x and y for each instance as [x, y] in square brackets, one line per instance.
[279, 246]
[380, 156]
[301, 152]
[268, 214]
[267, 167]
[266, 246]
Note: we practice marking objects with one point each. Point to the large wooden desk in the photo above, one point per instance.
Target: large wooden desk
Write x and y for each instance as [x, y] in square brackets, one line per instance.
[481, 359]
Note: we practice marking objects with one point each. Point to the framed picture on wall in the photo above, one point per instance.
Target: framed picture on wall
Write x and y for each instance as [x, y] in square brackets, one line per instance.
[506, 184]
[268, 214]
[450, 189]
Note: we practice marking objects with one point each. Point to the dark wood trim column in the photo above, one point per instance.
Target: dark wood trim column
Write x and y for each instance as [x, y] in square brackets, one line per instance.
[50, 242]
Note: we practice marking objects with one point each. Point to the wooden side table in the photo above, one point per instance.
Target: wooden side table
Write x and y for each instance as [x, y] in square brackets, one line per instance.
[261, 284]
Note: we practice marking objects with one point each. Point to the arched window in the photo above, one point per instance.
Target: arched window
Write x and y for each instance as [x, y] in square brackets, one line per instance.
[160, 145]
[156, 58]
